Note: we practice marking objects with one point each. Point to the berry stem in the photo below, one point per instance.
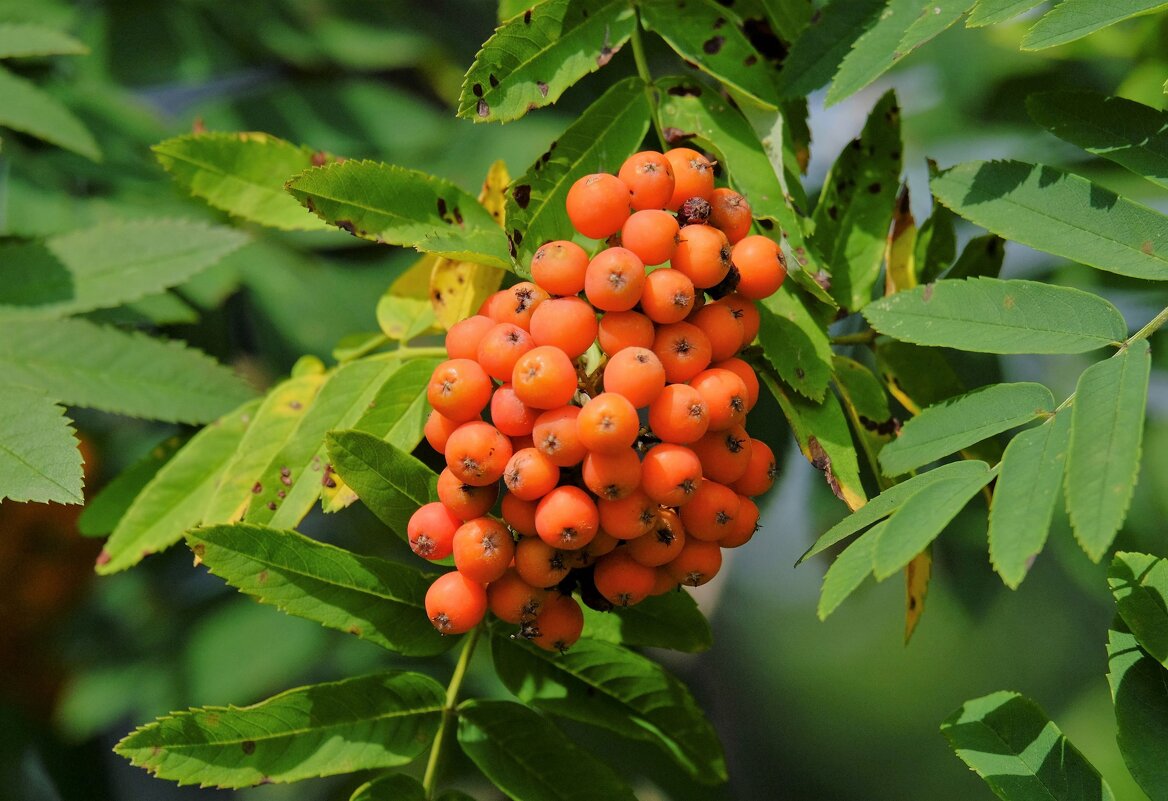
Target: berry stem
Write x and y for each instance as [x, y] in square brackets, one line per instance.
[647, 77]
[429, 781]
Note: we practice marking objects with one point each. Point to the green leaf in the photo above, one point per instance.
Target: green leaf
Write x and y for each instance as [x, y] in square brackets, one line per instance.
[921, 518]
[29, 109]
[23, 40]
[891, 500]
[1074, 19]
[1139, 688]
[1028, 484]
[982, 257]
[903, 27]
[370, 598]
[394, 787]
[242, 174]
[103, 510]
[957, 423]
[404, 318]
[795, 343]
[272, 425]
[1130, 134]
[1107, 426]
[1008, 741]
[1139, 583]
[533, 58]
[991, 12]
[175, 498]
[788, 18]
[529, 759]
[855, 208]
[607, 132]
[710, 36]
[848, 571]
[106, 266]
[339, 727]
[617, 689]
[391, 482]
[936, 245]
[816, 55]
[396, 206]
[39, 460]
[672, 621]
[1059, 213]
[988, 315]
[866, 404]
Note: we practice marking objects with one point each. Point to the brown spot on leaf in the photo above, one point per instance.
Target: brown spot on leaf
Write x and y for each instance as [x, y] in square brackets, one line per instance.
[750, 60]
[527, 17]
[542, 87]
[1147, 248]
[262, 577]
[484, 110]
[248, 747]
[347, 225]
[712, 45]
[493, 80]
[1008, 302]
[441, 207]
[477, 89]
[522, 195]
[319, 158]
[821, 461]
[874, 187]
[684, 90]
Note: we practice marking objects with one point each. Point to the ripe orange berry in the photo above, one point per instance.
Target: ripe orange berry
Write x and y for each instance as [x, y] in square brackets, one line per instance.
[698, 562]
[670, 474]
[608, 423]
[544, 378]
[684, 351]
[463, 500]
[558, 625]
[567, 518]
[455, 604]
[703, 254]
[663, 542]
[761, 470]
[565, 323]
[512, 599]
[612, 475]
[665, 582]
[746, 373]
[519, 443]
[477, 453]
[459, 389]
[501, 347]
[559, 267]
[745, 524]
[668, 296]
[598, 205]
[628, 517]
[530, 475]
[725, 455]
[730, 213]
[519, 515]
[430, 531]
[509, 414]
[601, 544]
[492, 306]
[539, 564]
[517, 303]
[555, 436]
[649, 177]
[635, 373]
[651, 234]
[483, 549]
[614, 279]
[627, 329]
[722, 327]
[747, 314]
[711, 511]
[761, 267]
[725, 393]
[693, 176]
[679, 414]
[462, 340]
[438, 429]
[623, 580]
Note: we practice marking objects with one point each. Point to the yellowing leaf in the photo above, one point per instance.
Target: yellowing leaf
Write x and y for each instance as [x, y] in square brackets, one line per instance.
[916, 587]
[900, 249]
[415, 282]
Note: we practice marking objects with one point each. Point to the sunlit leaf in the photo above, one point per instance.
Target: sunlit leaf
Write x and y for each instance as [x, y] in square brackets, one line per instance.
[39, 460]
[391, 482]
[816, 55]
[795, 343]
[848, 571]
[103, 510]
[1074, 19]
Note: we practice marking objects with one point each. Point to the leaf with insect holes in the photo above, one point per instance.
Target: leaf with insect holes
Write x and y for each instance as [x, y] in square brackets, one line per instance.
[1139, 583]
[1140, 692]
[393, 205]
[672, 620]
[531, 59]
[795, 343]
[391, 482]
[373, 599]
[1074, 19]
[39, 460]
[1059, 213]
[27, 108]
[377, 721]
[25, 40]
[599, 140]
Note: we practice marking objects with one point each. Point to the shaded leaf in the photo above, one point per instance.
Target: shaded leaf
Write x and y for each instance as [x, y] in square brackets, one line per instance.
[1107, 426]
[39, 460]
[982, 256]
[1139, 688]
[848, 571]
[531, 59]
[375, 600]
[1024, 497]
[672, 621]
[795, 343]
[103, 510]
[816, 55]
[243, 174]
[394, 787]
[529, 759]
[1008, 741]
[988, 315]
[991, 12]
[1139, 583]
[23, 40]
[936, 245]
[391, 482]
[1074, 19]
[320, 730]
[29, 109]
[866, 404]
[788, 18]
[917, 377]
[1059, 213]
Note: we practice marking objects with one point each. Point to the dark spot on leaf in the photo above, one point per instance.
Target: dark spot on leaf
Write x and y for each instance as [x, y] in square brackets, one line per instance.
[477, 89]
[272, 506]
[712, 45]
[1147, 248]
[257, 488]
[606, 54]
[527, 17]
[750, 60]
[248, 747]
[691, 64]
[821, 461]
[719, 22]
[295, 406]
[674, 135]
[874, 187]
[895, 155]
[347, 225]
[759, 33]
[484, 110]
[823, 279]
[457, 215]
[441, 207]
[833, 211]
[262, 577]
[522, 195]
[319, 158]
[355, 631]
[494, 81]
[685, 90]
[281, 494]
[799, 373]
[543, 88]
[767, 225]
[517, 237]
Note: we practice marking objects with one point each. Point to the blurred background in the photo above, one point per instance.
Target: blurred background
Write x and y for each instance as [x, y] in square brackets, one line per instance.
[835, 710]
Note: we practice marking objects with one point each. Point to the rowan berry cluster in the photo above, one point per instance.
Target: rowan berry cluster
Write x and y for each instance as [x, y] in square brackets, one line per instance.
[627, 470]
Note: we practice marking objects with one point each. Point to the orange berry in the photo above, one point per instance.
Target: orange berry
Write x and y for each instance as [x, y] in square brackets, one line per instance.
[622, 580]
[612, 475]
[477, 453]
[725, 393]
[483, 549]
[565, 323]
[635, 373]
[684, 351]
[730, 213]
[698, 562]
[517, 303]
[711, 511]
[649, 177]
[628, 517]
[556, 438]
[703, 254]
[614, 280]
[725, 455]
[598, 205]
[665, 582]
[601, 544]
[459, 389]
[509, 414]
[455, 604]
[530, 475]
[539, 564]
[519, 515]
[693, 176]
[670, 474]
[559, 267]
[464, 500]
[679, 414]
[761, 267]
[722, 327]
[430, 531]
[608, 423]
[558, 625]
[492, 306]
[651, 234]
[761, 470]
[462, 340]
[627, 329]
[663, 542]
[438, 429]
[501, 347]
[567, 518]
[747, 314]
[745, 524]
[544, 378]
[746, 373]
[519, 443]
[512, 599]
[668, 296]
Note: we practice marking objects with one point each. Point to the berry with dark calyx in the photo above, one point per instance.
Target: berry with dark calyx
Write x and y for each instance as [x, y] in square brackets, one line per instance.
[663, 542]
[567, 518]
[463, 500]
[730, 213]
[513, 600]
[698, 562]
[557, 626]
[539, 564]
[622, 579]
[455, 604]
[711, 511]
[483, 549]
[694, 211]
[430, 531]
[477, 453]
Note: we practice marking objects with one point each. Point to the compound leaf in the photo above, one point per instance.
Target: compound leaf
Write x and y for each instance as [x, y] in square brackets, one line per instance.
[39, 460]
[103, 510]
[1074, 19]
